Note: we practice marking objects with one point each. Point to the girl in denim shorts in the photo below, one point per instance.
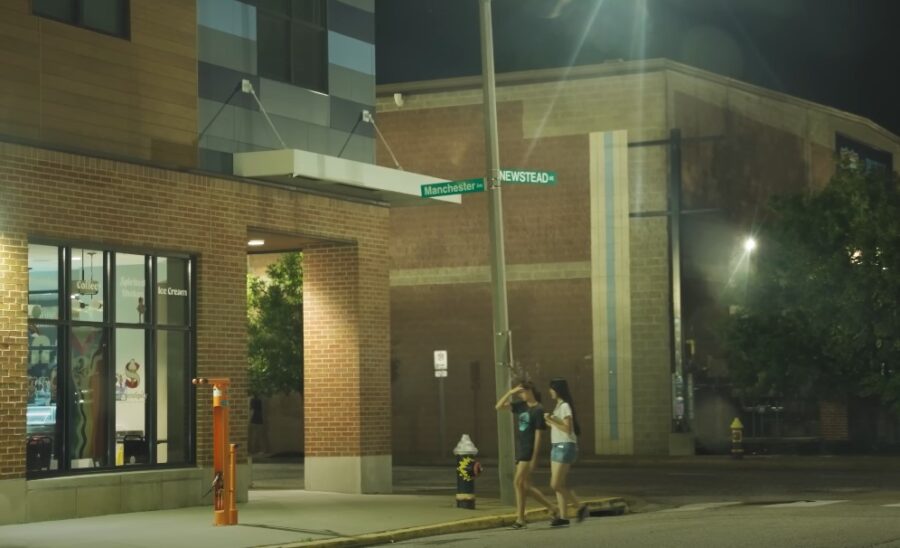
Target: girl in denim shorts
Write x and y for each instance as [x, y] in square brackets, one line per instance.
[564, 432]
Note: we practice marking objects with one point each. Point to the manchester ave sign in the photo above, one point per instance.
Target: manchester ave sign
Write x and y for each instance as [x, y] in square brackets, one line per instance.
[514, 176]
[452, 187]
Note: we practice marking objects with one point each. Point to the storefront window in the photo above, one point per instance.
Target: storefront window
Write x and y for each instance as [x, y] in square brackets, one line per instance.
[43, 282]
[86, 285]
[107, 386]
[41, 425]
[172, 388]
[172, 291]
[131, 288]
[131, 398]
[88, 407]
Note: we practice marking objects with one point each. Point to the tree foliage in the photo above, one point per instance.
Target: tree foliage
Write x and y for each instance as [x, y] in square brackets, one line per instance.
[819, 315]
[275, 327]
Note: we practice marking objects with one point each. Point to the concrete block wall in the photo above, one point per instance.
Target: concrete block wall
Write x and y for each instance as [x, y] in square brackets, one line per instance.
[306, 119]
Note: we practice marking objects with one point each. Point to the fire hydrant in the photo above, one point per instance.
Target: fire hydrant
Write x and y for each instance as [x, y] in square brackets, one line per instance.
[467, 469]
[737, 439]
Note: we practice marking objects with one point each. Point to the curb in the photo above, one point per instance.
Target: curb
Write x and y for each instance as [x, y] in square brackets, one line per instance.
[599, 507]
[748, 462]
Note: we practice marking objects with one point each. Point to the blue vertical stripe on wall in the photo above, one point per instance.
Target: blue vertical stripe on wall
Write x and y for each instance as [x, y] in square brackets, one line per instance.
[611, 327]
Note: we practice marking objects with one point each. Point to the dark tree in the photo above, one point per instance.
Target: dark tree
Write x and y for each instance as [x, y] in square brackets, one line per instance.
[819, 315]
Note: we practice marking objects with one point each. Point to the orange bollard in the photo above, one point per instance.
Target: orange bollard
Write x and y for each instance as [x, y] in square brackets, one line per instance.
[224, 456]
[232, 484]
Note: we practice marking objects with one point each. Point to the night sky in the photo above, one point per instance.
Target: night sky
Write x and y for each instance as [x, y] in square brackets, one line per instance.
[836, 52]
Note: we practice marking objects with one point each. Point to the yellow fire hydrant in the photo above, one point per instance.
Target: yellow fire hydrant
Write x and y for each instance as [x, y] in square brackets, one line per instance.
[737, 438]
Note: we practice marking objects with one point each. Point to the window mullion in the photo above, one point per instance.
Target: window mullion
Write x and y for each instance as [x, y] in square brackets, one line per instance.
[110, 320]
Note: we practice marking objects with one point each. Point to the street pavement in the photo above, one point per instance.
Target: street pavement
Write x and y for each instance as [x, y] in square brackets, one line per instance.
[701, 501]
[822, 524]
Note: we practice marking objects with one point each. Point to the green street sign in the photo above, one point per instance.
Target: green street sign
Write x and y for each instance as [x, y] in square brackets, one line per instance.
[527, 176]
[452, 187]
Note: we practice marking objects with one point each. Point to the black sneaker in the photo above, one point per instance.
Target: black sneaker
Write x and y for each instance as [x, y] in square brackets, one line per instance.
[559, 522]
[583, 513]
[518, 525]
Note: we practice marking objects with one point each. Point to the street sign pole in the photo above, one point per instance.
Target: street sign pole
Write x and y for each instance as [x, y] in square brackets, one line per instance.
[498, 258]
[440, 371]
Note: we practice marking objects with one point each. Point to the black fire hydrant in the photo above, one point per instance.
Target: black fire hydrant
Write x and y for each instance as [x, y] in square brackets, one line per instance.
[467, 469]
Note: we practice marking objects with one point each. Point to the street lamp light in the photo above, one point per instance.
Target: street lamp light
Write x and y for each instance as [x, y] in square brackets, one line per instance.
[750, 244]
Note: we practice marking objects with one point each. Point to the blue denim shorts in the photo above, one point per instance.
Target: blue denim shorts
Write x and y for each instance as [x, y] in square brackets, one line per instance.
[565, 453]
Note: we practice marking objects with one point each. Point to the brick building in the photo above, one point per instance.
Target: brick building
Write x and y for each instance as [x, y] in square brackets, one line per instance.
[131, 188]
[591, 260]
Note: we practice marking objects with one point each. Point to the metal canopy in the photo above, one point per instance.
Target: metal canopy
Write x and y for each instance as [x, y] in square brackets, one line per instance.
[337, 176]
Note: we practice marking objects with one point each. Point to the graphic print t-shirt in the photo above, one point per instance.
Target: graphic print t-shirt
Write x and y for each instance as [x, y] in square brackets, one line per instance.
[528, 420]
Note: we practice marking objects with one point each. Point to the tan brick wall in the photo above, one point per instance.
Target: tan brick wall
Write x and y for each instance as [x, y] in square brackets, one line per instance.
[13, 350]
[551, 325]
[74, 198]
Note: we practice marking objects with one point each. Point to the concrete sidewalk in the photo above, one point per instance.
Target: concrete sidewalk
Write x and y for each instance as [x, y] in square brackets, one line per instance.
[276, 518]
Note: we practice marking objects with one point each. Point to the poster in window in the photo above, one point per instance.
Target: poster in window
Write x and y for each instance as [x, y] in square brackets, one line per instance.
[88, 417]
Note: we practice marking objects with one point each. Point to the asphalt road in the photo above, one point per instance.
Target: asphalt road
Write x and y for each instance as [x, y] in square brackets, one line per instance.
[717, 506]
[835, 524]
[801, 503]
[655, 488]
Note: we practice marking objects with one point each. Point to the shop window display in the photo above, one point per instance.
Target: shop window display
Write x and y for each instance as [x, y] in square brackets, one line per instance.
[98, 397]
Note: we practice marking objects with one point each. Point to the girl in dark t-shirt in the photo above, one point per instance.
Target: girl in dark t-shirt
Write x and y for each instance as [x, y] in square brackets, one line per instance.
[530, 424]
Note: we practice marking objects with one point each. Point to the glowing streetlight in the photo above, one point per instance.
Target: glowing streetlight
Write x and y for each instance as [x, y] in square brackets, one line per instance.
[749, 244]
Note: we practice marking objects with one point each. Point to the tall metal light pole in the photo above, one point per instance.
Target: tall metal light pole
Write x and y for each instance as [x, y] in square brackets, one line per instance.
[498, 256]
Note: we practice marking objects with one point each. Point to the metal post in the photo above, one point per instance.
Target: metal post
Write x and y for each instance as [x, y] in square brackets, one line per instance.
[498, 257]
[675, 257]
[443, 417]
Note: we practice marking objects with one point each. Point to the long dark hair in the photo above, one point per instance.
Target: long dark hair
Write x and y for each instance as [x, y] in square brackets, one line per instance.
[561, 387]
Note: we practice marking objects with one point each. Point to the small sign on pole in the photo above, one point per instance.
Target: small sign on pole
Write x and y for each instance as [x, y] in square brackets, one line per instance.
[440, 363]
[440, 372]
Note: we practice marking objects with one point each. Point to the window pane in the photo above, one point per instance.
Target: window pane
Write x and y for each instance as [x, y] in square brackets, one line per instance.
[172, 291]
[131, 396]
[63, 10]
[42, 451]
[131, 288]
[277, 7]
[308, 54]
[88, 416]
[43, 282]
[273, 43]
[309, 10]
[172, 396]
[105, 15]
[86, 286]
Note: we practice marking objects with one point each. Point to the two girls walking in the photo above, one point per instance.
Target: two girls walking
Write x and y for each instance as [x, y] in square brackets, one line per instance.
[531, 422]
